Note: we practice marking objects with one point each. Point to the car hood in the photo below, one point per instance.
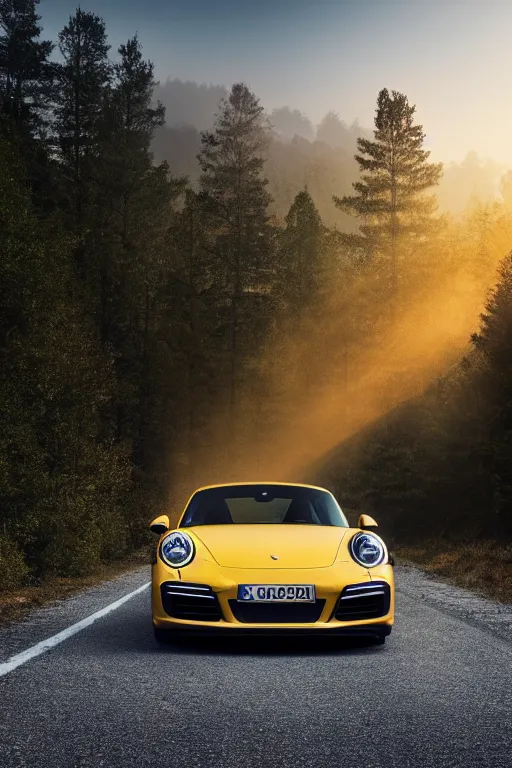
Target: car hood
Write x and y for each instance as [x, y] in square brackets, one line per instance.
[252, 546]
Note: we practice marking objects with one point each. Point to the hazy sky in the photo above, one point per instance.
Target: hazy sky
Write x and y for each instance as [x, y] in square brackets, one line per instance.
[453, 58]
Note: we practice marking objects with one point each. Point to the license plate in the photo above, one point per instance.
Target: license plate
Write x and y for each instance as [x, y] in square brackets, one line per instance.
[276, 593]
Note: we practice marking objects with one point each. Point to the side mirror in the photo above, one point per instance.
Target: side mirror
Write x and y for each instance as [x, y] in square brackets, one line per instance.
[365, 521]
[160, 524]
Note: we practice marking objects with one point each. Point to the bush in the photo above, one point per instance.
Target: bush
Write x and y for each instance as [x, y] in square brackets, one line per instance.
[13, 569]
[73, 551]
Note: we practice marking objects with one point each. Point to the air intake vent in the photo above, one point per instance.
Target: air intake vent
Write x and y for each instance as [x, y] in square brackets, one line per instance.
[363, 601]
[195, 602]
[276, 613]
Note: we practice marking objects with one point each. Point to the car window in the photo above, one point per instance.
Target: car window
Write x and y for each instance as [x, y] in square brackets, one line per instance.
[247, 510]
[266, 505]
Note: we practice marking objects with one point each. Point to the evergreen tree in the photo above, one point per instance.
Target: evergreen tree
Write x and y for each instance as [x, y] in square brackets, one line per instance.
[495, 337]
[494, 342]
[25, 71]
[297, 333]
[302, 256]
[193, 315]
[390, 199]
[234, 196]
[333, 131]
[288, 123]
[58, 462]
[125, 181]
[81, 86]
[129, 214]
[135, 84]
[26, 83]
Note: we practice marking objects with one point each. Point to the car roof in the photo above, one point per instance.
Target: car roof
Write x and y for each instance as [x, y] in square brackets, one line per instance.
[260, 482]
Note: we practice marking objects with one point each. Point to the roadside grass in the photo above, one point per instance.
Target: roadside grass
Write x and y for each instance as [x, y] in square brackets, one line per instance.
[17, 603]
[484, 567]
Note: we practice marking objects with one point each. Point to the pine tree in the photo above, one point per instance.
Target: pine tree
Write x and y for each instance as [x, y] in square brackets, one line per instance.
[58, 461]
[292, 368]
[122, 209]
[122, 167]
[26, 83]
[25, 70]
[333, 131]
[193, 316]
[129, 214]
[135, 84]
[495, 337]
[234, 196]
[493, 384]
[301, 256]
[82, 82]
[390, 199]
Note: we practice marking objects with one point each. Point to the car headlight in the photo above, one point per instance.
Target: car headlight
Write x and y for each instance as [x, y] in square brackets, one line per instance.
[177, 549]
[368, 550]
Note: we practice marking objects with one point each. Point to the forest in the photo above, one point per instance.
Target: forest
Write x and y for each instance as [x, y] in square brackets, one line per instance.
[227, 294]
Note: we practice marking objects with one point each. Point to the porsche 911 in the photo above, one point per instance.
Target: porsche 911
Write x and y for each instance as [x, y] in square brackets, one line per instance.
[263, 558]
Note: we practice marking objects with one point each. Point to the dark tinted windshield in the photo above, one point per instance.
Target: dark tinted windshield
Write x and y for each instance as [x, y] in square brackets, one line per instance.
[263, 504]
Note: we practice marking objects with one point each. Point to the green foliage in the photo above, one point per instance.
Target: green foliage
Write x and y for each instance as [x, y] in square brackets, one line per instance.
[234, 200]
[233, 191]
[301, 264]
[495, 337]
[13, 569]
[60, 468]
[151, 334]
[82, 81]
[390, 199]
[25, 71]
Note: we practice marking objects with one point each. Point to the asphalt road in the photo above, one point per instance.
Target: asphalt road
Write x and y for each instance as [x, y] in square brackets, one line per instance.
[439, 693]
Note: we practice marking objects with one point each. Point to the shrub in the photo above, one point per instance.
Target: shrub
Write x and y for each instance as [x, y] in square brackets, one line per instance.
[13, 569]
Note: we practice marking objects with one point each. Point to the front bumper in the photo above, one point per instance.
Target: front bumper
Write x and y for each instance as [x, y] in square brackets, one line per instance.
[281, 630]
[329, 584]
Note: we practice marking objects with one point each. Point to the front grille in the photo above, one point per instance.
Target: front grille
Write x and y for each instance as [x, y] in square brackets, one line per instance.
[195, 602]
[363, 601]
[277, 613]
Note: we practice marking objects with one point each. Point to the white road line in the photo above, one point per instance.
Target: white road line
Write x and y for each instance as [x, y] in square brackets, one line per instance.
[51, 642]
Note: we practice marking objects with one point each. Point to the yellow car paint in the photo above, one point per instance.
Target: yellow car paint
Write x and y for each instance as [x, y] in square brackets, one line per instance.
[250, 546]
[229, 555]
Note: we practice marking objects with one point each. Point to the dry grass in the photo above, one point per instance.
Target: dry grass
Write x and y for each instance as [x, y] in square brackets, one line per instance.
[16, 604]
[485, 567]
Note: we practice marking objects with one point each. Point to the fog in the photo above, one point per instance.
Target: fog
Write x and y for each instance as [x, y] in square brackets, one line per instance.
[353, 376]
[330, 386]
[302, 152]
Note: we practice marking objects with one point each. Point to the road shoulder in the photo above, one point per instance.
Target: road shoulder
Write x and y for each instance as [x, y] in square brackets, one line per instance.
[47, 621]
[480, 611]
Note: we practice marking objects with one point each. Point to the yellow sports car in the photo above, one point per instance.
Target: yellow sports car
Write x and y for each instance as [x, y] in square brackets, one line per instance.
[270, 557]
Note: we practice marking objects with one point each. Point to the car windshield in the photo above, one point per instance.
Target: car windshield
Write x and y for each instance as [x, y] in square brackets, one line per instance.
[263, 504]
